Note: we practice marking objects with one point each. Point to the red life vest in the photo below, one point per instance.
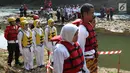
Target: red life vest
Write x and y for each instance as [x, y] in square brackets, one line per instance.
[77, 22]
[12, 32]
[56, 38]
[91, 41]
[75, 62]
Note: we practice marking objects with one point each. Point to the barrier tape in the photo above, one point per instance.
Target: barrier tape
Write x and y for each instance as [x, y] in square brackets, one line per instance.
[109, 52]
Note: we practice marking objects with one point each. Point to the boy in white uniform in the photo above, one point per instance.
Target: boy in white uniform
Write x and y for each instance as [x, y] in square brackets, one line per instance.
[25, 45]
[50, 31]
[38, 40]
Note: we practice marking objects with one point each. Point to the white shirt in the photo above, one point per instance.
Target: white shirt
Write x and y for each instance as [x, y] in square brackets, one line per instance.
[60, 54]
[74, 10]
[20, 36]
[82, 35]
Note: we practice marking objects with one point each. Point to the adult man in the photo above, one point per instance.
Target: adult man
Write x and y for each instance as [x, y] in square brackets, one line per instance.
[10, 35]
[87, 37]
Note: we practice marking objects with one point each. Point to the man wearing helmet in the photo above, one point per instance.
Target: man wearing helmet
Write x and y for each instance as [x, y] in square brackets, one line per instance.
[50, 31]
[38, 40]
[25, 44]
[10, 35]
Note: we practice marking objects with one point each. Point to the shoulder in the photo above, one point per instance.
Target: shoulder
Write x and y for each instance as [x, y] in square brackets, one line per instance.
[29, 30]
[41, 29]
[60, 48]
[82, 28]
[54, 27]
[33, 31]
[8, 26]
[46, 27]
[20, 32]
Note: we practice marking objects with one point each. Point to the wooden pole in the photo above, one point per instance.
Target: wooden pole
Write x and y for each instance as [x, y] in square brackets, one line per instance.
[119, 64]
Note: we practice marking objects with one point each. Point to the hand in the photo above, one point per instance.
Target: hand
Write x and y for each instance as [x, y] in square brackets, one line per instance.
[93, 22]
[21, 52]
[96, 54]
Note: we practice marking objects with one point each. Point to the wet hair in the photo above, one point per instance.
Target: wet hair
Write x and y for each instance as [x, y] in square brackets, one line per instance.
[86, 8]
[31, 26]
[17, 20]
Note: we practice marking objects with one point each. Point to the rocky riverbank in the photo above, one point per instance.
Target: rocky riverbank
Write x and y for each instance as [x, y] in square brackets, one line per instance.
[4, 68]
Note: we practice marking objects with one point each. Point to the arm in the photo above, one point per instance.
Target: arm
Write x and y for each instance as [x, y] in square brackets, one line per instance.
[46, 35]
[55, 30]
[6, 33]
[34, 38]
[58, 62]
[82, 35]
[20, 36]
[60, 54]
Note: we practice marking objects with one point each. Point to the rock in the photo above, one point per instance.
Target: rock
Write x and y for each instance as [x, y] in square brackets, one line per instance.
[114, 26]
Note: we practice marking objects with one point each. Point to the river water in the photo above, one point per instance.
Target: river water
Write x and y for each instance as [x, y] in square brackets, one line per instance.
[3, 41]
[5, 12]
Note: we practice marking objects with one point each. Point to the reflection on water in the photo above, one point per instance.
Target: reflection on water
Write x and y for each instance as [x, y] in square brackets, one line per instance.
[3, 41]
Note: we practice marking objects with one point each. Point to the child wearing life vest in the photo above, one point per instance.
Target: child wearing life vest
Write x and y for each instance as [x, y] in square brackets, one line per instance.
[25, 45]
[68, 56]
[50, 31]
[21, 19]
[38, 40]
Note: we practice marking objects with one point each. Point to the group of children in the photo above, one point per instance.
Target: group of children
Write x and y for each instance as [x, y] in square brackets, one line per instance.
[68, 13]
[75, 51]
[29, 41]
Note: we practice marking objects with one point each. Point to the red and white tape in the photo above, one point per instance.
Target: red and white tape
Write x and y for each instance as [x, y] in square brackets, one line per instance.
[109, 52]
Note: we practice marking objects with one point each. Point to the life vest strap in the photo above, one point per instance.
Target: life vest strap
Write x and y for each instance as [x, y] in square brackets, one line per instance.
[29, 47]
[90, 44]
[40, 45]
[13, 41]
[92, 37]
[76, 48]
[74, 58]
[74, 66]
